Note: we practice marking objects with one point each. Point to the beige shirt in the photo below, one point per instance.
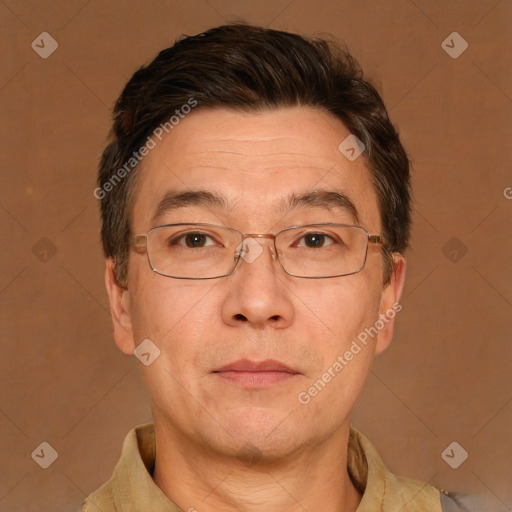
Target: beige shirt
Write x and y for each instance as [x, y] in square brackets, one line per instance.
[131, 487]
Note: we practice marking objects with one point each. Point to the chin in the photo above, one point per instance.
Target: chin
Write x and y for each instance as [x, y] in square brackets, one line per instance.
[264, 430]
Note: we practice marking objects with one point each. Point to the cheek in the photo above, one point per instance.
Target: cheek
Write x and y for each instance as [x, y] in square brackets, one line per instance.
[345, 306]
[176, 315]
[164, 309]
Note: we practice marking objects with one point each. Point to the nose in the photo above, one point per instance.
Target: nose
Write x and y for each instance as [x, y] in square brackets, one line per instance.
[256, 291]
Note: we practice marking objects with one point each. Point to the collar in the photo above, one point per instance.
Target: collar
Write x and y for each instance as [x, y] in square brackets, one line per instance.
[132, 489]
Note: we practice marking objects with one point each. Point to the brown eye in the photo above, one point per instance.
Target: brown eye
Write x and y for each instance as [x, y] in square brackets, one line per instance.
[195, 240]
[192, 240]
[315, 240]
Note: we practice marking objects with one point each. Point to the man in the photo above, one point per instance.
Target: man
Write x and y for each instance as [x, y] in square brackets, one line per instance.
[256, 209]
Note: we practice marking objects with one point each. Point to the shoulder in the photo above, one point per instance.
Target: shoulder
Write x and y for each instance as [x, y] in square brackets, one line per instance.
[101, 500]
[384, 491]
[131, 473]
[457, 502]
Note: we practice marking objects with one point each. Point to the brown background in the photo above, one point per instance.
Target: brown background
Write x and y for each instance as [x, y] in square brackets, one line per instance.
[447, 376]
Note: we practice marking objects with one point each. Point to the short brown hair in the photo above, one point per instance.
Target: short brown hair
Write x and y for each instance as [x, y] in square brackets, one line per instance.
[245, 67]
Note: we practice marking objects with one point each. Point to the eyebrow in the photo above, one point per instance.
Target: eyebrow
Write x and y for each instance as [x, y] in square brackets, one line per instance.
[174, 200]
[328, 199]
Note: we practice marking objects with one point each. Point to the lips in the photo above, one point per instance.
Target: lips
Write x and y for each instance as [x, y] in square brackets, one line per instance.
[245, 365]
[253, 375]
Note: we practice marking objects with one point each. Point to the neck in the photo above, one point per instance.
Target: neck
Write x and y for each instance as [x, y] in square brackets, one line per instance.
[198, 480]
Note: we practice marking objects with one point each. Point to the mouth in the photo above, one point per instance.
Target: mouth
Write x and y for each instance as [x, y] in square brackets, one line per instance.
[251, 374]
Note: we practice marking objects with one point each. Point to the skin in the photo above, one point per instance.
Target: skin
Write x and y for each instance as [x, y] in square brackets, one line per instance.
[203, 422]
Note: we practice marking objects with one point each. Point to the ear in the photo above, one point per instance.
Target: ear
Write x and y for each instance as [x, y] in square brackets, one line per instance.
[390, 305]
[119, 310]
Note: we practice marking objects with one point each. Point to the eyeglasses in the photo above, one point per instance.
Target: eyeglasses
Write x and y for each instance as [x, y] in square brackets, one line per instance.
[208, 251]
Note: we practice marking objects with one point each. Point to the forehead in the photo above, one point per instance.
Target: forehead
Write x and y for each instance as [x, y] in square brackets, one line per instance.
[257, 161]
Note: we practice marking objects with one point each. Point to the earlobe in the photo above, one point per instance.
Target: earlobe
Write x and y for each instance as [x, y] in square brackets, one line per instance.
[119, 310]
[390, 302]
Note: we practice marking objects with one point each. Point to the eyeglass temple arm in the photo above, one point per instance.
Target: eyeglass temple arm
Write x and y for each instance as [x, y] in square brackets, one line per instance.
[139, 242]
[376, 239]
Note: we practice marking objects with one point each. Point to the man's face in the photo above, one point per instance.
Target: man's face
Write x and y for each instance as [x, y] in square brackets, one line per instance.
[255, 161]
